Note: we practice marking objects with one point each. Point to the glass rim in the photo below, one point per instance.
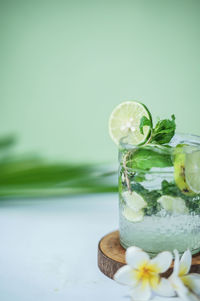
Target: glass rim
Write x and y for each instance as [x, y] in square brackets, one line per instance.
[161, 170]
[179, 138]
[193, 141]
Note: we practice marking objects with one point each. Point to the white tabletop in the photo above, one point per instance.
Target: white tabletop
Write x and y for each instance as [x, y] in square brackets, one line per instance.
[48, 249]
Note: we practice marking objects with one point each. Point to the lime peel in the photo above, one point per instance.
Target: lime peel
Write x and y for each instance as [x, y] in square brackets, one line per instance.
[192, 171]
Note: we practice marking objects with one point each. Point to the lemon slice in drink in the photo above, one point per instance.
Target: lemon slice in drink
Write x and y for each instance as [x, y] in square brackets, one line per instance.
[125, 122]
[134, 201]
[192, 170]
[173, 204]
[134, 204]
[133, 216]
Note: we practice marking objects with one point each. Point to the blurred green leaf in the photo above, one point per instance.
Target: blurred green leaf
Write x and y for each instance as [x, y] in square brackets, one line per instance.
[31, 176]
[7, 141]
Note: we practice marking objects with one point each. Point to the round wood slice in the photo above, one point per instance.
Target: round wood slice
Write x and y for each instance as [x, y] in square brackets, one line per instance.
[111, 256]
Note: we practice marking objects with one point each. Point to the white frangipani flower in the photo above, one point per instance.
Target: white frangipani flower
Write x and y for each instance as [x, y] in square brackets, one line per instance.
[184, 283]
[142, 274]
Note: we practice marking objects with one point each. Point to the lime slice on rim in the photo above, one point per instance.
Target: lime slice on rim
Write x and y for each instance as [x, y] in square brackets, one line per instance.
[192, 171]
[125, 122]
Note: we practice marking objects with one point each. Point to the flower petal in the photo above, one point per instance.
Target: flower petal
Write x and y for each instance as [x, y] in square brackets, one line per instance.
[141, 292]
[136, 248]
[125, 276]
[178, 286]
[191, 297]
[165, 288]
[185, 263]
[135, 257]
[162, 261]
[192, 281]
[176, 263]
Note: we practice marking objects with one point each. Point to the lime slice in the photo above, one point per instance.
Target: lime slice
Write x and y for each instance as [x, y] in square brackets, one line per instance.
[180, 168]
[192, 171]
[173, 204]
[134, 201]
[125, 122]
[132, 215]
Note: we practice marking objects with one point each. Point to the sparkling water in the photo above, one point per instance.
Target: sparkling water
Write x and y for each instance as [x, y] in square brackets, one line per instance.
[153, 172]
[162, 232]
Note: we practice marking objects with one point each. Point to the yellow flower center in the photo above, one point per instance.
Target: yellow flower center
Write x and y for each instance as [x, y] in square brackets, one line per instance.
[147, 274]
[187, 282]
[183, 270]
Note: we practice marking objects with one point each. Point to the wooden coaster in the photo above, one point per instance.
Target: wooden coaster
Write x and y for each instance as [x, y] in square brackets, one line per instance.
[111, 256]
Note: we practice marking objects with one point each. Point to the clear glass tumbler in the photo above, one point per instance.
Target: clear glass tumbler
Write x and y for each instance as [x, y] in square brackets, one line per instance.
[159, 195]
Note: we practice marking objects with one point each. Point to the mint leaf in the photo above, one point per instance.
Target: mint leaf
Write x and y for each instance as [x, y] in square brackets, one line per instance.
[150, 196]
[146, 158]
[152, 205]
[170, 188]
[164, 131]
[144, 121]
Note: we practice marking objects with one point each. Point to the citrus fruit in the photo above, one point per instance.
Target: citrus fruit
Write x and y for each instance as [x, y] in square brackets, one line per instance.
[125, 120]
[132, 215]
[192, 170]
[134, 201]
[173, 204]
[180, 169]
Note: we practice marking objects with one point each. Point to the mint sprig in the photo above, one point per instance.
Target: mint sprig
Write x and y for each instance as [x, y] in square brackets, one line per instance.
[163, 131]
[146, 158]
[144, 121]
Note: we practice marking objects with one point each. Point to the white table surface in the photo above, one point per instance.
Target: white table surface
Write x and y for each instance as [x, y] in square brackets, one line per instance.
[48, 249]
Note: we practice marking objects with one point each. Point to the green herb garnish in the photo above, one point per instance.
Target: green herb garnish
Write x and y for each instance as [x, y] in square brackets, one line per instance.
[144, 121]
[163, 131]
[146, 158]
[150, 196]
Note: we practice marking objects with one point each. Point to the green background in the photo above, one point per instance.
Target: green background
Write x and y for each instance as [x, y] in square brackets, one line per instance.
[64, 65]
